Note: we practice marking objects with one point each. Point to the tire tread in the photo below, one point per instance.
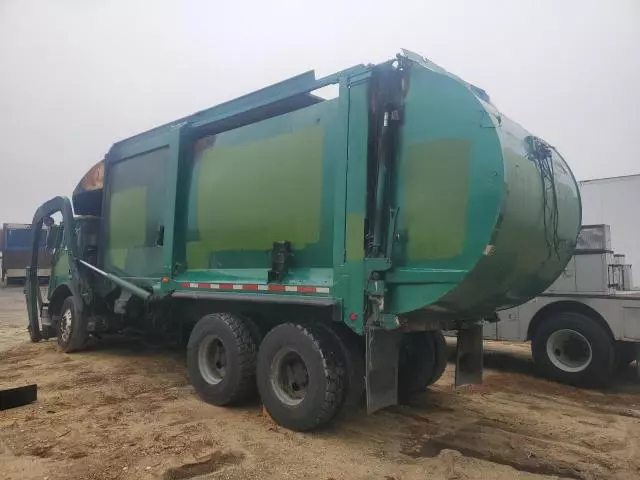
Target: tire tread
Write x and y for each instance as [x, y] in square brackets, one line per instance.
[332, 370]
[247, 354]
[79, 336]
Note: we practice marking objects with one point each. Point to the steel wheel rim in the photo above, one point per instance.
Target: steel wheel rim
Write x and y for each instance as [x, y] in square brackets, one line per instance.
[569, 350]
[65, 325]
[289, 377]
[212, 359]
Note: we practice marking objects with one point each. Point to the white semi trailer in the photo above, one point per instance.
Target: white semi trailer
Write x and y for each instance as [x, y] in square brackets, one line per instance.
[587, 324]
[612, 200]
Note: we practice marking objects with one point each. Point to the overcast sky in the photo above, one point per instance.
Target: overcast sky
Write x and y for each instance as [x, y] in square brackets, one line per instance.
[77, 75]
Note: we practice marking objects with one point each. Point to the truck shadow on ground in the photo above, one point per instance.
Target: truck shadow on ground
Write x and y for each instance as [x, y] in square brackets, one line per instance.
[495, 359]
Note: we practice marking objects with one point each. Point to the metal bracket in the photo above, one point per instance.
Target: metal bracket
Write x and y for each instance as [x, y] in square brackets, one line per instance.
[281, 255]
[376, 288]
[469, 354]
[377, 264]
[120, 305]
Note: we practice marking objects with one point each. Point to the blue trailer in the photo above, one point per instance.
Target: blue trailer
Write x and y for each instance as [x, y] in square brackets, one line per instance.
[16, 253]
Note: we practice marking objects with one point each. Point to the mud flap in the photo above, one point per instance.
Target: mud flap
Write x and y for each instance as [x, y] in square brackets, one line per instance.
[381, 377]
[469, 352]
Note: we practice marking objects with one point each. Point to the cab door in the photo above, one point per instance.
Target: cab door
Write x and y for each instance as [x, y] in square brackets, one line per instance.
[60, 269]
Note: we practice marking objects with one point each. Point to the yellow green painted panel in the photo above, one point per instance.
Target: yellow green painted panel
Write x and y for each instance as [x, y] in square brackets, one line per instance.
[127, 225]
[250, 195]
[355, 236]
[437, 175]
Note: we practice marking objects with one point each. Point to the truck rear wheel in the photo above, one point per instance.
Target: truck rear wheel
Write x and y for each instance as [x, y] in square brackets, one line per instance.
[572, 348]
[72, 327]
[221, 359]
[354, 362]
[300, 379]
[423, 359]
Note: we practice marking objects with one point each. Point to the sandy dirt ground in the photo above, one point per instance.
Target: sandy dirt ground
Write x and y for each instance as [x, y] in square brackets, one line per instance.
[125, 410]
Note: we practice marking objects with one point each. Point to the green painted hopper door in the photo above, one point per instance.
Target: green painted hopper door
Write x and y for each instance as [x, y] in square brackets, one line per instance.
[258, 184]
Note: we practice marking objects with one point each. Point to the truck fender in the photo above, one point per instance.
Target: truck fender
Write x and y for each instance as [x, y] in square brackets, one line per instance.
[57, 299]
[565, 306]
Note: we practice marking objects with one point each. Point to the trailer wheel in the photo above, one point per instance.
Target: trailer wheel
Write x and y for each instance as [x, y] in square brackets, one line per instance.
[423, 359]
[300, 379]
[71, 329]
[572, 348]
[221, 359]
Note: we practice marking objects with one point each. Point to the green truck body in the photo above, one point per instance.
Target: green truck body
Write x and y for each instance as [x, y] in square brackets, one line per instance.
[406, 204]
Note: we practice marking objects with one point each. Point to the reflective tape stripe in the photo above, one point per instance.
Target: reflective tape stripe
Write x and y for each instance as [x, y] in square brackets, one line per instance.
[253, 287]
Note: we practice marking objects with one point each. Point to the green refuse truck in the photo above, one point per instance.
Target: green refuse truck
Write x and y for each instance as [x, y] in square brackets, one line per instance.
[313, 250]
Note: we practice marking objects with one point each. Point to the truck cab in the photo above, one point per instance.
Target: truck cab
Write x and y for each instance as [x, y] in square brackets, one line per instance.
[85, 236]
[70, 229]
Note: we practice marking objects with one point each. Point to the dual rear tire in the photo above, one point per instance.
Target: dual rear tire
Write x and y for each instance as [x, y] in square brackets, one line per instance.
[423, 359]
[301, 376]
[221, 359]
[297, 369]
[304, 373]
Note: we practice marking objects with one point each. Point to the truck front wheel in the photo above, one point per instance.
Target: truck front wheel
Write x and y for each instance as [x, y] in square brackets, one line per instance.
[572, 348]
[300, 376]
[221, 359]
[72, 327]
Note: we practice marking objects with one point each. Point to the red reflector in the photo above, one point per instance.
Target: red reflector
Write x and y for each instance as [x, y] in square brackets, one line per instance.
[353, 317]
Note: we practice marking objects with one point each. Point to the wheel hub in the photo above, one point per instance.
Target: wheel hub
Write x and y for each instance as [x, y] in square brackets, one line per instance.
[289, 378]
[569, 350]
[65, 325]
[212, 359]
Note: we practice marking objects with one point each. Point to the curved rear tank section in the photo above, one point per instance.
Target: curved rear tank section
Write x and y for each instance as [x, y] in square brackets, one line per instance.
[487, 208]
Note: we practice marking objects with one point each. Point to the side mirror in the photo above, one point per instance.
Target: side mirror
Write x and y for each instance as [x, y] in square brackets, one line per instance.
[52, 236]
